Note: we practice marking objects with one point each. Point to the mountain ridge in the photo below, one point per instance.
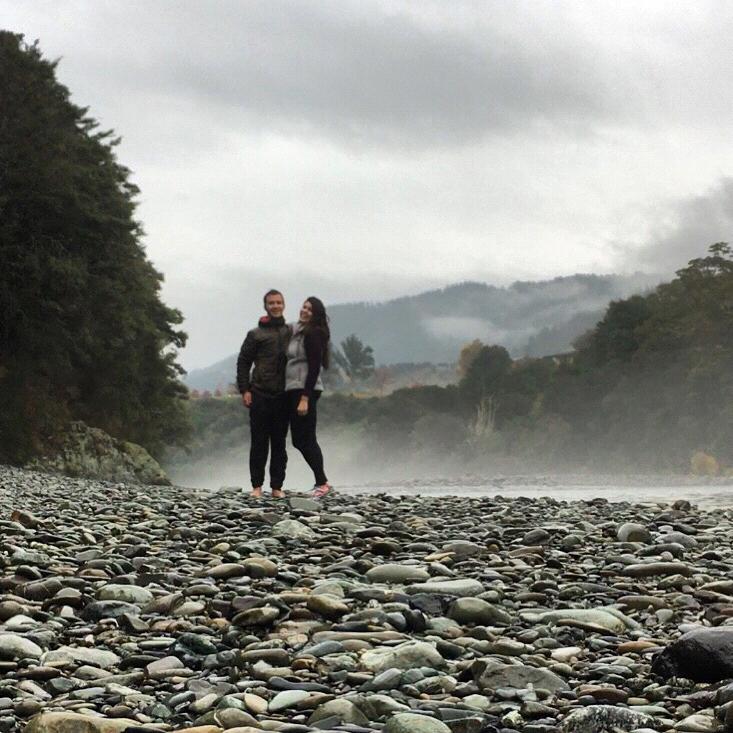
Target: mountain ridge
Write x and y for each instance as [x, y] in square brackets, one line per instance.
[533, 318]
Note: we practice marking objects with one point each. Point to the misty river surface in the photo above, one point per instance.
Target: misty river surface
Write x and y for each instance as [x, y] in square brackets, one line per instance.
[704, 492]
[707, 493]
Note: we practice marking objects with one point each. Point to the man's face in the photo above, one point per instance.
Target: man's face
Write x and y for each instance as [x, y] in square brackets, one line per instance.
[275, 305]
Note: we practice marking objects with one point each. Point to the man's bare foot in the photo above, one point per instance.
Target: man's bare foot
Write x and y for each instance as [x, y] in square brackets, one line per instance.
[278, 494]
[256, 492]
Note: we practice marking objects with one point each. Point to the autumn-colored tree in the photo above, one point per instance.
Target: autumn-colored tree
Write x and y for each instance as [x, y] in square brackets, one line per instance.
[468, 353]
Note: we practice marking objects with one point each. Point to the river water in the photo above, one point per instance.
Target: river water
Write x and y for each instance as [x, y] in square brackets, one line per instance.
[704, 492]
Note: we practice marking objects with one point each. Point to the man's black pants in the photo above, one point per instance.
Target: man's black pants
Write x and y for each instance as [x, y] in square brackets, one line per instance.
[303, 434]
[268, 422]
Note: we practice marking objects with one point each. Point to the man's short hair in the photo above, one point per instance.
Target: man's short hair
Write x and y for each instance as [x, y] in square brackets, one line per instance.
[269, 293]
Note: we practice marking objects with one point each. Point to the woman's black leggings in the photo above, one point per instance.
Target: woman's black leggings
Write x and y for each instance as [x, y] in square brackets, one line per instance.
[303, 433]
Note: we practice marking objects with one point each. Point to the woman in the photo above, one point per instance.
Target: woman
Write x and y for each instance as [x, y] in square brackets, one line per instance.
[307, 352]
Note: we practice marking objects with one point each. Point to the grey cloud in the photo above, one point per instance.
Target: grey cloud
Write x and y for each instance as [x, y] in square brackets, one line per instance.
[355, 72]
[404, 76]
[688, 227]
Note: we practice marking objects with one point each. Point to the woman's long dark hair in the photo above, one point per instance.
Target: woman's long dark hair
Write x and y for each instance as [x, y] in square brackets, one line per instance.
[319, 324]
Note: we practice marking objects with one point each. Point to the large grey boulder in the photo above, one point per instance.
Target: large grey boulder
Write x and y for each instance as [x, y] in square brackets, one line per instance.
[88, 452]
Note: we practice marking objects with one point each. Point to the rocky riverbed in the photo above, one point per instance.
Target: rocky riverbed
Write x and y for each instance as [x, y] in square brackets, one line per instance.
[131, 608]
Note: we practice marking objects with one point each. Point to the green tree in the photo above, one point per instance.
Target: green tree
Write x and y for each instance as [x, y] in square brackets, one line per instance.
[484, 374]
[617, 335]
[468, 353]
[355, 358]
[83, 332]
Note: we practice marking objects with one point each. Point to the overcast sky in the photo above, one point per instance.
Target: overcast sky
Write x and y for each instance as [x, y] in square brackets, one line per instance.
[361, 150]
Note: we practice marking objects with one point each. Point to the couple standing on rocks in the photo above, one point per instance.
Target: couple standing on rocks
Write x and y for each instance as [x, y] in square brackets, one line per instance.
[279, 378]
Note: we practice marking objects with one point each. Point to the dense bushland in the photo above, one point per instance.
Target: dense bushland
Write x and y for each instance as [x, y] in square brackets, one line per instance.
[83, 331]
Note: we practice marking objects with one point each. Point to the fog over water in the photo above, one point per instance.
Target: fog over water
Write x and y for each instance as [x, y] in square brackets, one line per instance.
[350, 472]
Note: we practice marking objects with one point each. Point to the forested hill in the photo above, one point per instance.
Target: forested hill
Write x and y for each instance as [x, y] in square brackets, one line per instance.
[529, 318]
[84, 334]
[433, 326]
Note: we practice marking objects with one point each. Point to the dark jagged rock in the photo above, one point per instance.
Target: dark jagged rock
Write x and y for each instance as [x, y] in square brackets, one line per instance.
[703, 655]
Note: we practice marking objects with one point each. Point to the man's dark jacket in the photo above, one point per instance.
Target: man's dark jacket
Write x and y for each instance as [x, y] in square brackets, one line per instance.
[265, 347]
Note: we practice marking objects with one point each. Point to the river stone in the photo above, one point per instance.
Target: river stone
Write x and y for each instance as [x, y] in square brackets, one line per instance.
[600, 718]
[72, 654]
[396, 573]
[703, 655]
[610, 619]
[327, 605]
[536, 536]
[462, 588]
[649, 569]
[632, 532]
[342, 709]
[463, 548]
[21, 622]
[376, 706]
[260, 567]
[304, 504]
[293, 529]
[13, 646]
[163, 665]
[697, 723]
[225, 570]
[99, 610]
[77, 723]
[408, 655]
[478, 611]
[413, 723]
[127, 593]
[230, 718]
[260, 616]
[491, 675]
[287, 699]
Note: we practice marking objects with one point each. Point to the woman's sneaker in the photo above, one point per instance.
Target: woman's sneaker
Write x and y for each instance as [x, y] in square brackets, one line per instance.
[320, 491]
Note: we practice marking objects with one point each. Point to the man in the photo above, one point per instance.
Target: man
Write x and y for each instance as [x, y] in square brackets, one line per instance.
[263, 393]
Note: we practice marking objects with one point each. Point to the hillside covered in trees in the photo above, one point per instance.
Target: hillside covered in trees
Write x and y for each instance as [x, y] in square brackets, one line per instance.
[83, 332]
[647, 388]
[528, 318]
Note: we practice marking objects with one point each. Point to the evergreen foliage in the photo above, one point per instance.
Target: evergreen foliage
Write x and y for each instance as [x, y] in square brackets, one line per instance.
[355, 358]
[84, 334]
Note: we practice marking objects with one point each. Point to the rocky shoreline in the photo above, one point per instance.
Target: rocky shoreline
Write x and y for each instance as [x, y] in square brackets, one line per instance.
[155, 608]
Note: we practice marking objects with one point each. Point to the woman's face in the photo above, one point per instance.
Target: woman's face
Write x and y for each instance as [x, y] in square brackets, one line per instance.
[306, 312]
